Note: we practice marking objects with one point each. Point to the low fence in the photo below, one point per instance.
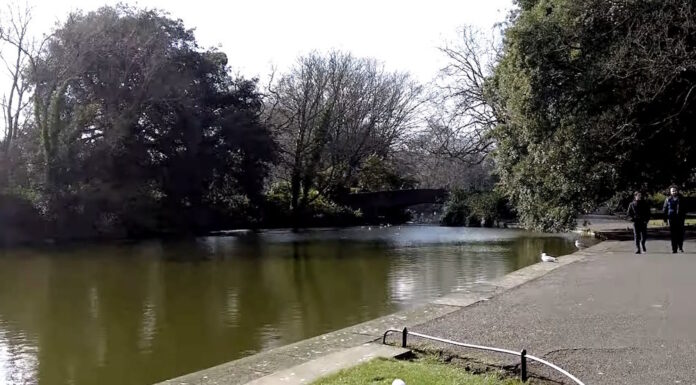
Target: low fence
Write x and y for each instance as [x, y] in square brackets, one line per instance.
[523, 354]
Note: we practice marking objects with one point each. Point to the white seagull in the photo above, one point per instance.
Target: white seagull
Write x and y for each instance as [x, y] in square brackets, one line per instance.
[579, 244]
[547, 258]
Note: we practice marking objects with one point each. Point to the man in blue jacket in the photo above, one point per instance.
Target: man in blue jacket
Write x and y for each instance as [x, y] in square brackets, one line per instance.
[675, 212]
[639, 212]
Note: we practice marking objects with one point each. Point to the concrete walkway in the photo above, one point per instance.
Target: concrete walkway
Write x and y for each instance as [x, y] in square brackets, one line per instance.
[613, 317]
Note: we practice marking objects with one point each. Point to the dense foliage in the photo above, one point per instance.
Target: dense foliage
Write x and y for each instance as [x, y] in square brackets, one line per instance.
[133, 129]
[475, 208]
[596, 97]
[137, 130]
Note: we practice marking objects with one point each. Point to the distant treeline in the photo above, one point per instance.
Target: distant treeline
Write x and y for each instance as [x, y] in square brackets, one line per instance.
[119, 124]
[123, 126]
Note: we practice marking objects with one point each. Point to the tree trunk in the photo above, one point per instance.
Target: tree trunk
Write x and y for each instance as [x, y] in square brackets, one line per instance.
[295, 181]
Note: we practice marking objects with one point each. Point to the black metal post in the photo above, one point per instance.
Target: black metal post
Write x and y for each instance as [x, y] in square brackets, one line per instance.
[404, 336]
[523, 365]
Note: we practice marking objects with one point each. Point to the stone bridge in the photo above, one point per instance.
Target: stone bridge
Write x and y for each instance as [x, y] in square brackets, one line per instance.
[372, 202]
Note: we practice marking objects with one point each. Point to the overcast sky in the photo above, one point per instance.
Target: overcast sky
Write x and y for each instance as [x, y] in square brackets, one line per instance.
[257, 34]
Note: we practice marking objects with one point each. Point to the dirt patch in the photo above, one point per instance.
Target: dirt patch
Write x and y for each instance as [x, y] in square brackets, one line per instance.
[475, 365]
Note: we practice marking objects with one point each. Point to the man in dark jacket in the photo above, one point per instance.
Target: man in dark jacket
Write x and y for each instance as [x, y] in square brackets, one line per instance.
[639, 212]
[675, 212]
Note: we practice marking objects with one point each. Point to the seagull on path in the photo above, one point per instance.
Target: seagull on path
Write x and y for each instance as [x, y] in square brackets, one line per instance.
[547, 258]
[580, 245]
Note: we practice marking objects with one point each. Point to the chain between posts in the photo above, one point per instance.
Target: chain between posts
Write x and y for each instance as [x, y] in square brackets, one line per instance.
[523, 354]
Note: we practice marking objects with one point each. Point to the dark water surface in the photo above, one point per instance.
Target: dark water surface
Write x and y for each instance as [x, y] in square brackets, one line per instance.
[145, 312]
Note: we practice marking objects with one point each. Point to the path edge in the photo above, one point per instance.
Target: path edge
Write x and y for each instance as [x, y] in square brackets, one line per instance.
[265, 363]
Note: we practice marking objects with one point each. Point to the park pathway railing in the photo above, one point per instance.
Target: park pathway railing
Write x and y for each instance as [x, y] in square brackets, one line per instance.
[523, 354]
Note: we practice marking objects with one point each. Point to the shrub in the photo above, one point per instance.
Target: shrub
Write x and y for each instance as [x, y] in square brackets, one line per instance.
[321, 210]
[456, 210]
[471, 208]
[20, 221]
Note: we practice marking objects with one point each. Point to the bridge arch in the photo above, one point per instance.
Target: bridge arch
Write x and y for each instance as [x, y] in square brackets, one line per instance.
[374, 203]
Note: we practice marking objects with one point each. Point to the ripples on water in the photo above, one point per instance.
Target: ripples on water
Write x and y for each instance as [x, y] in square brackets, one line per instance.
[145, 312]
[18, 357]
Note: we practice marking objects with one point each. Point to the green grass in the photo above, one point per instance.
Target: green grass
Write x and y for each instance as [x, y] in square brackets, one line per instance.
[422, 372]
[661, 223]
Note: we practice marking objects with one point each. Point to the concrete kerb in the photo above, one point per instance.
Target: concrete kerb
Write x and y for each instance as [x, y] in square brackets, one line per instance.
[365, 335]
[259, 365]
[332, 363]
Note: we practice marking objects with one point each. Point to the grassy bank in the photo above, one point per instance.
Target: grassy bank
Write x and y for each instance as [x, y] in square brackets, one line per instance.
[422, 372]
[661, 223]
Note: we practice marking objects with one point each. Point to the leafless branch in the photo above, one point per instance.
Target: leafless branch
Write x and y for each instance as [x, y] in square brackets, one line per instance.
[17, 98]
[331, 112]
[462, 114]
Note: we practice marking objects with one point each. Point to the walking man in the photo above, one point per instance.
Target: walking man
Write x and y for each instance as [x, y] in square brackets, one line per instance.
[639, 212]
[675, 212]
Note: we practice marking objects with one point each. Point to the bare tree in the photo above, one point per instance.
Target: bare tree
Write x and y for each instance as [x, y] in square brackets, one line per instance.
[18, 48]
[329, 113]
[463, 113]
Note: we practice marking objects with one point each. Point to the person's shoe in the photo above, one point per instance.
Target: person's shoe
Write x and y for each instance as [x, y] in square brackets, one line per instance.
[681, 250]
[674, 251]
[644, 248]
[638, 251]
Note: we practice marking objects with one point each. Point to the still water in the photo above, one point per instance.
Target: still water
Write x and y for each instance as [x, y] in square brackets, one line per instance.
[145, 312]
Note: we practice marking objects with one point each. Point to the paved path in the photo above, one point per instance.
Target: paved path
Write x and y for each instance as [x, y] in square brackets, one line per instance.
[613, 318]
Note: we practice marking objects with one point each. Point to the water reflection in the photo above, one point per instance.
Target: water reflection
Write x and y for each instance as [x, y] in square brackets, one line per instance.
[18, 359]
[140, 313]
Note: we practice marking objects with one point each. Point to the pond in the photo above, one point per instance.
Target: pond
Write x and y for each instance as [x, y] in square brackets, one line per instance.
[144, 312]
